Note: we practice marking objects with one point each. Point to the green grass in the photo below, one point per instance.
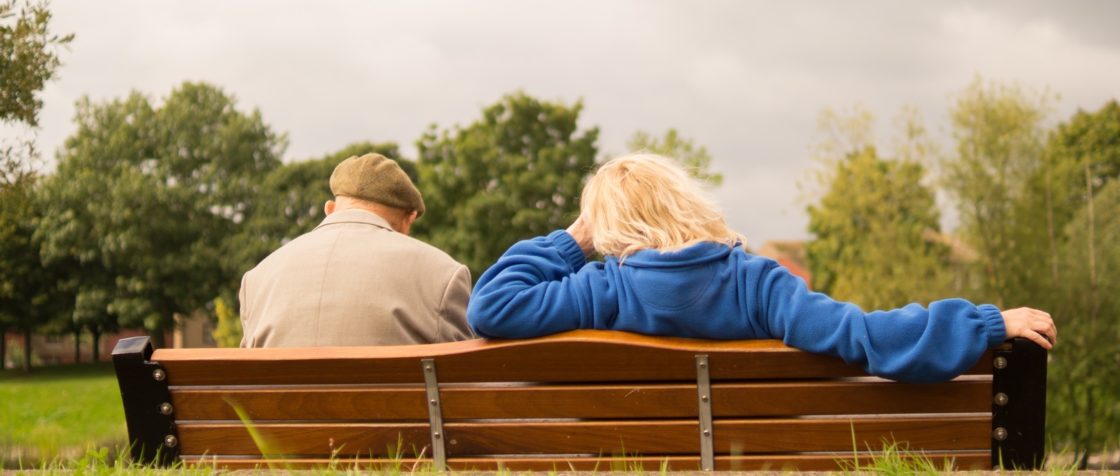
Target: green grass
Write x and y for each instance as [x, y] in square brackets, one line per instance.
[59, 412]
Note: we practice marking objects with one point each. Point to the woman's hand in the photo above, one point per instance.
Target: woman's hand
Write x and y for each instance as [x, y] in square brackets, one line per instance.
[1032, 324]
[582, 234]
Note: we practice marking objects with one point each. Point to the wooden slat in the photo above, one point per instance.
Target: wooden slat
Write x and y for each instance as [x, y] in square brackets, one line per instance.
[615, 356]
[584, 401]
[305, 439]
[962, 460]
[302, 403]
[731, 436]
[595, 437]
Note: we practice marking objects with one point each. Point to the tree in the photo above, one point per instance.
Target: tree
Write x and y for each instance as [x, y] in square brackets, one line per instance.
[171, 184]
[875, 224]
[28, 60]
[513, 174]
[29, 294]
[694, 159]
[998, 130]
[1082, 203]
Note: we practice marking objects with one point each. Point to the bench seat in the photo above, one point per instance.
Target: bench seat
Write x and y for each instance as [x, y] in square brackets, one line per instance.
[581, 400]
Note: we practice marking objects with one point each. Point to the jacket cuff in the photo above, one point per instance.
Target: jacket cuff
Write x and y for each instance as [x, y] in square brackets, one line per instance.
[993, 322]
[568, 249]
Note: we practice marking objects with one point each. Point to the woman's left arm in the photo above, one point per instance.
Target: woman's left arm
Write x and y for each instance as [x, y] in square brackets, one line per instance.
[538, 287]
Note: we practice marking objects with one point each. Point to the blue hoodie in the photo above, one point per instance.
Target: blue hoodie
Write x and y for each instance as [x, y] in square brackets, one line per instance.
[712, 291]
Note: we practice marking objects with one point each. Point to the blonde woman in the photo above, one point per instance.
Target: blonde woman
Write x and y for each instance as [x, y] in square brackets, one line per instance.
[673, 267]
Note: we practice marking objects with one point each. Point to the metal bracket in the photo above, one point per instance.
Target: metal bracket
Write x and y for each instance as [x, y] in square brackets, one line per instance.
[1018, 405]
[704, 394]
[435, 414]
[152, 435]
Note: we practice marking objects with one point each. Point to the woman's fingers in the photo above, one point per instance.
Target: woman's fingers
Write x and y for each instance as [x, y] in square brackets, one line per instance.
[1039, 339]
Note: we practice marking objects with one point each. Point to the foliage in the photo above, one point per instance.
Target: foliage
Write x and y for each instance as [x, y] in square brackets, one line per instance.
[998, 130]
[28, 58]
[29, 294]
[171, 184]
[1083, 161]
[1085, 374]
[228, 331]
[695, 159]
[510, 175]
[874, 225]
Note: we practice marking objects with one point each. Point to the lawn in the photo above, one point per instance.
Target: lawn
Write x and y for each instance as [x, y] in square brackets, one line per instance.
[59, 412]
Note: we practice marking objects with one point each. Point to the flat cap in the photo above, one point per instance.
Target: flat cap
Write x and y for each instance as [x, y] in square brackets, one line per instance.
[378, 179]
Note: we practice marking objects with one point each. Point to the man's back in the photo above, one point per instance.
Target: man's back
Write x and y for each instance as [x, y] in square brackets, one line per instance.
[354, 281]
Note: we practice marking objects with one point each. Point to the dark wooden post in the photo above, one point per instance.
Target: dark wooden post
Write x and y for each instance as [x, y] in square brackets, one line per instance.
[147, 403]
[1019, 405]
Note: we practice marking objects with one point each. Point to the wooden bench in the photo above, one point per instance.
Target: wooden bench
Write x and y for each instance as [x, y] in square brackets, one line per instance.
[579, 400]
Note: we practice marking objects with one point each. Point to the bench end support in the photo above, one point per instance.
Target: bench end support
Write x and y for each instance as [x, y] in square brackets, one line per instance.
[1019, 405]
[148, 412]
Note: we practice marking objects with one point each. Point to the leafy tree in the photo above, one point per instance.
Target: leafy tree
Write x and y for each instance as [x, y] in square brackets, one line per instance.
[28, 59]
[998, 130]
[29, 295]
[1081, 201]
[228, 331]
[514, 173]
[695, 159]
[875, 222]
[147, 195]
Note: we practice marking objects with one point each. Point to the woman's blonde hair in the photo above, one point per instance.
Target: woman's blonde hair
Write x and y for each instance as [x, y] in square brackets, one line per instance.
[646, 201]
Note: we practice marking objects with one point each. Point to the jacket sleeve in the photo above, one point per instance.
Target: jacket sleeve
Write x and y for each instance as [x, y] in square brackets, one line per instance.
[538, 287]
[452, 321]
[911, 344]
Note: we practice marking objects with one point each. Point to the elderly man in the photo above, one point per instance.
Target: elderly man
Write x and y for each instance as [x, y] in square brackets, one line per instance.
[358, 278]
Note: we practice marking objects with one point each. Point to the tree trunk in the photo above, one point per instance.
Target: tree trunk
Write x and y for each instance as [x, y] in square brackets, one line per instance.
[96, 344]
[78, 345]
[27, 351]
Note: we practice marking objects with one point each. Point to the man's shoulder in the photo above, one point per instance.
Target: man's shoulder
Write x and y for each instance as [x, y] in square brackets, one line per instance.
[431, 254]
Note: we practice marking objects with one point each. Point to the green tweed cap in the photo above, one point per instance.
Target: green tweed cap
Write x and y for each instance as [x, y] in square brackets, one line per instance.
[376, 178]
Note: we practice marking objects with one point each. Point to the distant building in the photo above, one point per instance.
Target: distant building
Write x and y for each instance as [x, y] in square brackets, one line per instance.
[59, 349]
[791, 255]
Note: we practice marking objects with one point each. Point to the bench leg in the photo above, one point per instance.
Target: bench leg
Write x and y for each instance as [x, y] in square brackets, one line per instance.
[147, 403]
[1019, 405]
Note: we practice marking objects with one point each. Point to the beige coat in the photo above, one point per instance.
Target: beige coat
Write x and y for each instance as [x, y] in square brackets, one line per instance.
[354, 281]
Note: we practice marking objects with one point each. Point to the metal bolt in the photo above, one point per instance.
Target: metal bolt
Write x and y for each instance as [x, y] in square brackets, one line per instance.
[1000, 362]
[170, 441]
[703, 398]
[158, 375]
[702, 365]
[433, 402]
[166, 408]
[435, 435]
[1000, 434]
[1001, 399]
[707, 432]
[428, 368]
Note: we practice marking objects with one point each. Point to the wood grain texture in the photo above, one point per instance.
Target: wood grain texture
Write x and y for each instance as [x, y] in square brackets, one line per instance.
[583, 401]
[592, 437]
[614, 356]
[960, 460]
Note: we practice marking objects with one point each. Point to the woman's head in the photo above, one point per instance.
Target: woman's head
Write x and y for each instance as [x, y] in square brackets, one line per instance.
[646, 201]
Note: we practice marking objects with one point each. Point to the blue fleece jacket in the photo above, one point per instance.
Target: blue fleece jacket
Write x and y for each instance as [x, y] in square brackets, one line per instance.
[711, 291]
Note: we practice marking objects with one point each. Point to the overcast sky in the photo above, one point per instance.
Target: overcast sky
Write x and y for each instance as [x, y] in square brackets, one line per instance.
[745, 79]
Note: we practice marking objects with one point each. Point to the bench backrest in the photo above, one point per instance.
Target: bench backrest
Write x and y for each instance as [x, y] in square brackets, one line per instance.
[579, 400]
